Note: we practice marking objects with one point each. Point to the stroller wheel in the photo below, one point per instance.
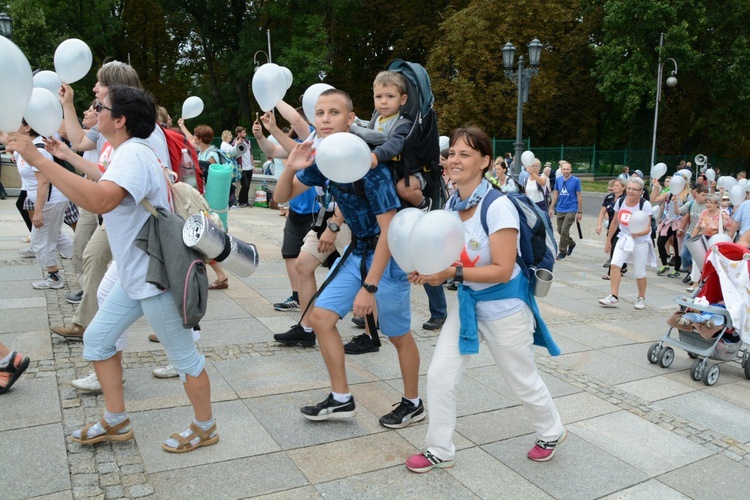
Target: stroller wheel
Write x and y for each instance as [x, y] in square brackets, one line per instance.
[666, 356]
[712, 375]
[697, 370]
[653, 354]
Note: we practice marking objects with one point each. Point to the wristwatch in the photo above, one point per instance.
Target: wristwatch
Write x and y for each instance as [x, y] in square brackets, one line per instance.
[335, 228]
[370, 288]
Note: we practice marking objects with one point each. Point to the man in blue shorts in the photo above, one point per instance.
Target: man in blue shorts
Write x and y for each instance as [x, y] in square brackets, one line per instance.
[368, 276]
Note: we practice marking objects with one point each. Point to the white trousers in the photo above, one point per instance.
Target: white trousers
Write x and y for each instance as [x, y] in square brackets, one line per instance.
[510, 342]
[47, 239]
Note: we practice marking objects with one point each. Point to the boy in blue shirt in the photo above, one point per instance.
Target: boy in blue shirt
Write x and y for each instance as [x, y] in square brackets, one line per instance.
[567, 203]
[368, 207]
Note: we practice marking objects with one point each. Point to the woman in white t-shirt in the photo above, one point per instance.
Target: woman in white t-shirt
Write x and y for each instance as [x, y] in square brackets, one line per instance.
[487, 272]
[46, 206]
[635, 248]
[126, 118]
[537, 185]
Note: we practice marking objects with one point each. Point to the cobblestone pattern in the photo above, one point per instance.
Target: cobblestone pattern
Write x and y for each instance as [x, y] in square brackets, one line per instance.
[116, 470]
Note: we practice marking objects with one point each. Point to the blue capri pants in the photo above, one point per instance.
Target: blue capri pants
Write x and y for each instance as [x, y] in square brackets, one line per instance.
[119, 311]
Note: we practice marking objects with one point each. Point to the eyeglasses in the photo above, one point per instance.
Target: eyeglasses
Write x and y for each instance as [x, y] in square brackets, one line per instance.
[98, 107]
[634, 190]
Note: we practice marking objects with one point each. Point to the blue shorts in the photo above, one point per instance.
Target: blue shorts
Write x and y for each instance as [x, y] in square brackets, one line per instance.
[393, 297]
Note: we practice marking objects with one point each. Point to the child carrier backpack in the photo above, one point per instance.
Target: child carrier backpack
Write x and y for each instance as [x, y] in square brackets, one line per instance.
[176, 142]
[537, 241]
[421, 151]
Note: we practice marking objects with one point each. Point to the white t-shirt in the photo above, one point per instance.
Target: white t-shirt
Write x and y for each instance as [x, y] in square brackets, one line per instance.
[476, 253]
[532, 191]
[225, 146]
[247, 158]
[28, 177]
[624, 213]
[136, 169]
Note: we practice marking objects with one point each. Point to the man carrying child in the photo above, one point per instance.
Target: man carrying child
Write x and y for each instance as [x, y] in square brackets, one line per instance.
[369, 276]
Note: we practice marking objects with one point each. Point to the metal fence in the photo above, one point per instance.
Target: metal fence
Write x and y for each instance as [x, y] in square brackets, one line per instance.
[609, 163]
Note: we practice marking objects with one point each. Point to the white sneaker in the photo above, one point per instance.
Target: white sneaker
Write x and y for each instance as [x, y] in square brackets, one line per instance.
[166, 372]
[89, 383]
[48, 282]
[26, 253]
[609, 301]
[691, 289]
[640, 303]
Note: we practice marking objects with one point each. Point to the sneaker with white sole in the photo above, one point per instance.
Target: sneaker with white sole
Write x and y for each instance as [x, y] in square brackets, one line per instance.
[49, 282]
[329, 408]
[26, 253]
[543, 451]
[425, 462]
[640, 303]
[288, 305]
[609, 301]
[89, 383]
[165, 372]
[405, 413]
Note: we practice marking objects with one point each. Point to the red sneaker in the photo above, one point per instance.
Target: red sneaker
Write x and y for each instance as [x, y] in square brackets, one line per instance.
[545, 450]
[425, 462]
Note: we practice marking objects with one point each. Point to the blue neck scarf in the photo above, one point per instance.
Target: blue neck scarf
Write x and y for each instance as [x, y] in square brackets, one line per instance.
[456, 204]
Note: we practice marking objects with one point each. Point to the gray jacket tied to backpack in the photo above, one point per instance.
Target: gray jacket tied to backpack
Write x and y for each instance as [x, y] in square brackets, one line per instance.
[175, 266]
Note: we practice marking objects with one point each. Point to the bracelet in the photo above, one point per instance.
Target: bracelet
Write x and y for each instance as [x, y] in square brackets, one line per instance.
[579, 212]
[459, 277]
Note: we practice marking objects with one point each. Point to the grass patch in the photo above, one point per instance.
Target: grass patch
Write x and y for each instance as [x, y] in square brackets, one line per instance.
[594, 186]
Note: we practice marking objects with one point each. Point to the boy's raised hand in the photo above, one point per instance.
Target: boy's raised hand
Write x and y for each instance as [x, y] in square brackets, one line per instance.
[301, 156]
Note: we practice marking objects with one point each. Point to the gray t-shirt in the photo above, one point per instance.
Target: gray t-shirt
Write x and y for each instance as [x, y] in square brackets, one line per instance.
[695, 210]
[134, 167]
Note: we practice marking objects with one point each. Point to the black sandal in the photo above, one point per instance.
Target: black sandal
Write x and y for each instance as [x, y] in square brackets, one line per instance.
[12, 372]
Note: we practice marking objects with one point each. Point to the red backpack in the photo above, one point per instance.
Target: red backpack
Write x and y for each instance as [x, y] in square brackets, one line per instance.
[176, 142]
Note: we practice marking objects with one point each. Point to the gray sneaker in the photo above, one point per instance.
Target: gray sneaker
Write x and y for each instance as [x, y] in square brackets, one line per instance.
[26, 253]
[49, 282]
[74, 298]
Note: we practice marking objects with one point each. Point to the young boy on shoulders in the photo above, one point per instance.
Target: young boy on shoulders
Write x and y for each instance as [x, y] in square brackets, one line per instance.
[368, 213]
[389, 94]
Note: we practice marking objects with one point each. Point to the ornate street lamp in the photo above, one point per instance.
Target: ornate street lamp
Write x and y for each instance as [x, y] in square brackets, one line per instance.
[255, 59]
[6, 25]
[521, 78]
[671, 82]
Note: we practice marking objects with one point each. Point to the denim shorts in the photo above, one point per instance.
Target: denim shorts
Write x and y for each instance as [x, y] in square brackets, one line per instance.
[393, 297]
[119, 311]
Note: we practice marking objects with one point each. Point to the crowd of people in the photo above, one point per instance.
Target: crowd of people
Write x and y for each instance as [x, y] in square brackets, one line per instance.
[343, 226]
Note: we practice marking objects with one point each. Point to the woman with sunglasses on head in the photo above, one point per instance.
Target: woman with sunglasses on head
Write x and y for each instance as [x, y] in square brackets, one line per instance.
[126, 118]
[495, 304]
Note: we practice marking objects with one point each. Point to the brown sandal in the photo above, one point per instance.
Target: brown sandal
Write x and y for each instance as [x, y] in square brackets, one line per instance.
[111, 433]
[219, 284]
[185, 444]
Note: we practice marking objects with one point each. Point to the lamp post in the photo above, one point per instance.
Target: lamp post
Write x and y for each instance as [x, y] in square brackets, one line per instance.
[255, 58]
[6, 25]
[671, 82]
[521, 78]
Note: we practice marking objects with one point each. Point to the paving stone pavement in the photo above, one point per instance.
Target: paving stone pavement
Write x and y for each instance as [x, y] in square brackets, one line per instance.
[636, 430]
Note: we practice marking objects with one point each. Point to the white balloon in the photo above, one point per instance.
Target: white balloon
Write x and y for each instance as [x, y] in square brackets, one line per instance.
[657, 212]
[747, 187]
[399, 231]
[658, 170]
[711, 175]
[47, 80]
[719, 238]
[677, 184]
[343, 157]
[527, 158]
[742, 182]
[288, 78]
[440, 231]
[15, 85]
[445, 142]
[44, 112]
[192, 107]
[310, 99]
[638, 222]
[269, 86]
[73, 60]
[737, 195]
[729, 183]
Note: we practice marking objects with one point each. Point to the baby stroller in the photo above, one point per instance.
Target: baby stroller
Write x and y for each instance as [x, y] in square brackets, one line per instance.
[723, 296]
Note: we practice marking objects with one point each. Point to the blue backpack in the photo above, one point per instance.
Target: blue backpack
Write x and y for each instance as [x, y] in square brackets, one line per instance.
[537, 241]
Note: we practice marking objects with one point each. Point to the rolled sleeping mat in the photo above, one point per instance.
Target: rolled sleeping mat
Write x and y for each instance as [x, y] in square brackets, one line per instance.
[238, 150]
[698, 246]
[204, 235]
[217, 190]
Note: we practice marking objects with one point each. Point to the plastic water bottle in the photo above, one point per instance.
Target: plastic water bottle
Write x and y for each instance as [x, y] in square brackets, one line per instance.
[187, 169]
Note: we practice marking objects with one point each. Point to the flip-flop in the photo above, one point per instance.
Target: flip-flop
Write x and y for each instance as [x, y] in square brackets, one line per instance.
[219, 284]
[606, 277]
